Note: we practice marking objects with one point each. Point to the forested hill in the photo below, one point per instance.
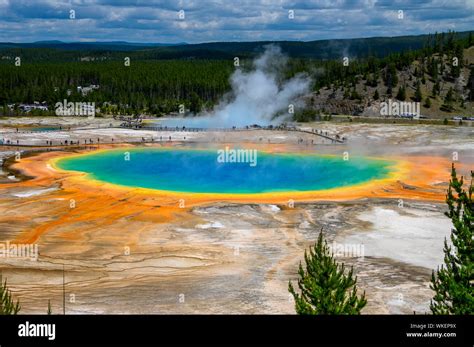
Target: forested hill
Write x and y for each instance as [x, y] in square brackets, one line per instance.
[325, 49]
[321, 49]
[78, 46]
[158, 87]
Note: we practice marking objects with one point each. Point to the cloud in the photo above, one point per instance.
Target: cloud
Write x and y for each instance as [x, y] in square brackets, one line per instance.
[223, 20]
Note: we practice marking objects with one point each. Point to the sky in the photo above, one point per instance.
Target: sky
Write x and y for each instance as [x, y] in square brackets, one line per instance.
[195, 21]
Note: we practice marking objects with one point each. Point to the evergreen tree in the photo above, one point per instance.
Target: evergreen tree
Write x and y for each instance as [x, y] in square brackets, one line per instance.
[325, 287]
[401, 95]
[470, 85]
[7, 305]
[418, 96]
[453, 283]
[195, 103]
[436, 89]
[449, 47]
[375, 80]
[449, 98]
[376, 94]
[391, 78]
[447, 106]
[433, 71]
[393, 71]
[427, 102]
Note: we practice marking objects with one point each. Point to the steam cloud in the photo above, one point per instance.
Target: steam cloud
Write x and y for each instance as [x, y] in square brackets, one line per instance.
[258, 96]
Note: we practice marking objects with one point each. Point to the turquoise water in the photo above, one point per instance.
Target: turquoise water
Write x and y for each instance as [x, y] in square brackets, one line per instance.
[189, 170]
[33, 128]
[39, 129]
[36, 128]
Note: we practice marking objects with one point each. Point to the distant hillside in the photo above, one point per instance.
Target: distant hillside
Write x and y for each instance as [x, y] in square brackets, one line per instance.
[442, 90]
[321, 49]
[90, 46]
[157, 83]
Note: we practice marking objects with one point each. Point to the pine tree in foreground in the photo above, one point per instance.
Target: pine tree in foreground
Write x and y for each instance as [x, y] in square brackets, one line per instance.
[453, 283]
[7, 306]
[324, 285]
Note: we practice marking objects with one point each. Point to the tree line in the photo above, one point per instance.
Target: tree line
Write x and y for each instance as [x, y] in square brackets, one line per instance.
[157, 87]
[160, 86]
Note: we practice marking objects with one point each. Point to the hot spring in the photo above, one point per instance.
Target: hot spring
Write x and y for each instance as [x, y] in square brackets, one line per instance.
[200, 171]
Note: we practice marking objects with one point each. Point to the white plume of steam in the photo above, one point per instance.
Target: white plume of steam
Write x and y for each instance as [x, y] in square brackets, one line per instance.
[258, 96]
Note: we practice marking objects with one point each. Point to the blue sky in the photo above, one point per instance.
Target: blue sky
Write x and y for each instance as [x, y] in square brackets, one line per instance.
[227, 20]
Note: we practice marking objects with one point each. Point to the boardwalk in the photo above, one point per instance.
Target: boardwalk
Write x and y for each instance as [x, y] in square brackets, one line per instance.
[315, 132]
[145, 134]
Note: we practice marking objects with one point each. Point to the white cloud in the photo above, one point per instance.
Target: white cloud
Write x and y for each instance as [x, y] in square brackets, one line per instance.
[220, 20]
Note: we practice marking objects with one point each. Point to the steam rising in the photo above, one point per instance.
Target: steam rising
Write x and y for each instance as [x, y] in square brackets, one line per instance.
[258, 96]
